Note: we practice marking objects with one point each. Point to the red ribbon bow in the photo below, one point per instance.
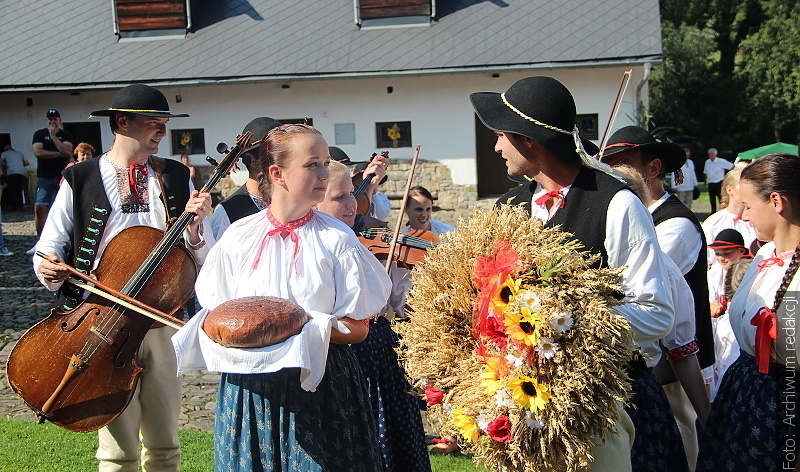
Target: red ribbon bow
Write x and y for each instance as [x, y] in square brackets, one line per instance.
[737, 218]
[555, 194]
[766, 333]
[279, 228]
[132, 171]
[770, 261]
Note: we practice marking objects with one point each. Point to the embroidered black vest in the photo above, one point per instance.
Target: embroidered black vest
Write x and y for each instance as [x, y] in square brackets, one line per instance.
[239, 204]
[91, 209]
[585, 210]
[698, 283]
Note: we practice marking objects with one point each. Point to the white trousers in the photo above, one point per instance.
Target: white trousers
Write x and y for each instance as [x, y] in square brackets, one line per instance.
[151, 417]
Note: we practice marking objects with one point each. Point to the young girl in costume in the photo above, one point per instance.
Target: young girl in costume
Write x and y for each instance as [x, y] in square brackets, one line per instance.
[752, 425]
[396, 411]
[300, 405]
[730, 214]
[419, 207]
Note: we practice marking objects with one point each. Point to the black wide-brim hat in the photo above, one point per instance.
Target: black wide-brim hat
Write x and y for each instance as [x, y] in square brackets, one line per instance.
[727, 239]
[258, 128]
[140, 99]
[634, 137]
[540, 108]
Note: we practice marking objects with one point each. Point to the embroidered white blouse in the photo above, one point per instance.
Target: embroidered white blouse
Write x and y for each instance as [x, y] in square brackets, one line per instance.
[329, 273]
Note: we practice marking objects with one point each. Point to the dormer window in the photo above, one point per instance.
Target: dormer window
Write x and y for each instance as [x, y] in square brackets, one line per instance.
[394, 13]
[151, 19]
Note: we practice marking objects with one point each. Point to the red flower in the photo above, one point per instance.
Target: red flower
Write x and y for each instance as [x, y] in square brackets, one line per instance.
[500, 429]
[434, 395]
[495, 330]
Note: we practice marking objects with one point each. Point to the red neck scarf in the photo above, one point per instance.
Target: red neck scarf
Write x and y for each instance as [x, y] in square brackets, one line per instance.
[778, 260]
[555, 196]
[280, 228]
[133, 170]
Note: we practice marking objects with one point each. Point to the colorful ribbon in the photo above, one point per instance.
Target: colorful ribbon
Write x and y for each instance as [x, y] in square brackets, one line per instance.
[554, 195]
[766, 333]
[133, 169]
[279, 228]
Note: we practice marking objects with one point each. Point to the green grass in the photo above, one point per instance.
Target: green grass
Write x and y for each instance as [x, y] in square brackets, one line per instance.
[29, 447]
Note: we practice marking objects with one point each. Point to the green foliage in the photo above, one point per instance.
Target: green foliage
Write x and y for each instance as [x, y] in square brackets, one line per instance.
[730, 74]
[771, 67]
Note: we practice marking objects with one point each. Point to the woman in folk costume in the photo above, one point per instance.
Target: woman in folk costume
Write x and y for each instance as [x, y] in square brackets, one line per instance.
[752, 425]
[301, 404]
[396, 412]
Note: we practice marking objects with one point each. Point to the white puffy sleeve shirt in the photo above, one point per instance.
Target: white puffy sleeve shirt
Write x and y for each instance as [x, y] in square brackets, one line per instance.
[329, 273]
[757, 290]
[631, 242]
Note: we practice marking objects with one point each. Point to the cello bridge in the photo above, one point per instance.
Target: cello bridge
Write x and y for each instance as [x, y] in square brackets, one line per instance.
[102, 336]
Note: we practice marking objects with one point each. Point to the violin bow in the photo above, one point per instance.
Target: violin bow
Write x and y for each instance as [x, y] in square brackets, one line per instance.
[399, 224]
[626, 78]
[98, 288]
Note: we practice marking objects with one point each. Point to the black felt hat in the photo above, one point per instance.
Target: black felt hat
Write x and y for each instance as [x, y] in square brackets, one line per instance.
[634, 137]
[340, 156]
[258, 127]
[140, 99]
[727, 239]
[540, 108]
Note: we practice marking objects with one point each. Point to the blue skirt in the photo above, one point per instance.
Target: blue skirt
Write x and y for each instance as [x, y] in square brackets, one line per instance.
[266, 422]
[753, 421]
[657, 445]
[397, 416]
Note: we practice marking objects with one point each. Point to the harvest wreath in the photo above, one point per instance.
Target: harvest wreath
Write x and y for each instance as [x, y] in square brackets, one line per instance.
[514, 341]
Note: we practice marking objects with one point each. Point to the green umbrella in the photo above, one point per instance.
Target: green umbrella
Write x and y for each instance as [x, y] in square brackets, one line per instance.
[769, 148]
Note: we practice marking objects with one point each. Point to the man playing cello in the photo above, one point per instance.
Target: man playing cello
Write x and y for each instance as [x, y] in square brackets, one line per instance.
[125, 187]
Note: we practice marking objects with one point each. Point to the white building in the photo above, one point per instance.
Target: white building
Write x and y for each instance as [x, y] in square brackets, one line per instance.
[349, 68]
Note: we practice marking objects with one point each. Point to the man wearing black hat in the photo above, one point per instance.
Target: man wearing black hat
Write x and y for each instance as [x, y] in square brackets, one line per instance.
[536, 136]
[681, 238]
[247, 199]
[125, 187]
[52, 147]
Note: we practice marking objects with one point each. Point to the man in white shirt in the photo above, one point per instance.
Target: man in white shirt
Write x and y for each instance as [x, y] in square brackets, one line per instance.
[685, 190]
[98, 199]
[714, 169]
[536, 136]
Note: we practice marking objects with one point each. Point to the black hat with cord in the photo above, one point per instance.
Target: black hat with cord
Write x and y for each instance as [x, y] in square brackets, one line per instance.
[139, 99]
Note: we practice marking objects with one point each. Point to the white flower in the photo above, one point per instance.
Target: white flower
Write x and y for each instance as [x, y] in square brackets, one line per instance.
[483, 421]
[503, 399]
[532, 422]
[529, 300]
[423, 382]
[547, 348]
[561, 322]
[516, 361]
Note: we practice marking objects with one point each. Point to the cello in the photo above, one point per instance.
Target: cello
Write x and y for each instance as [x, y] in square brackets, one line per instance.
[79, 368]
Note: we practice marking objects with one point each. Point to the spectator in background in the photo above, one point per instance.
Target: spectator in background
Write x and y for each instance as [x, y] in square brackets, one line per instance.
[16, 179]
[714, 171]
[192, 170]
[685, 190]
[83, 152]
[52, 147]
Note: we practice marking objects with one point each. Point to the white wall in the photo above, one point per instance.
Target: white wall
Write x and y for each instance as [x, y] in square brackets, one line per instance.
[437, 105]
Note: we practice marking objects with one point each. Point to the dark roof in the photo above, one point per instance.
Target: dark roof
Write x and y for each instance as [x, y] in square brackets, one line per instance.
[72, 44]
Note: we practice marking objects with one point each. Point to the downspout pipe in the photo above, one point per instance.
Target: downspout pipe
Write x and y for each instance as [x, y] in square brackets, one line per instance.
[648, 67]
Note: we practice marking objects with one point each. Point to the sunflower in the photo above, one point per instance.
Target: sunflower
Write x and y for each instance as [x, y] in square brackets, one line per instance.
[496, 370]
[523, 326]
[504, 293]
[529, 393]
[466, 425]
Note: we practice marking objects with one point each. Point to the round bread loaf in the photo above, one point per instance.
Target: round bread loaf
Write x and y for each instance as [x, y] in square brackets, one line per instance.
[254, 321]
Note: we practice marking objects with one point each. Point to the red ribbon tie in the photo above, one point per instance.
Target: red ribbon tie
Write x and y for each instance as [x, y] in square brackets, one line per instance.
[766, 333]
[554, 195]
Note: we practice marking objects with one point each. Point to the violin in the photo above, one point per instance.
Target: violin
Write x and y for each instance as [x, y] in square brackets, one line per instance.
[79, 368]
[364, 201]
[411, 248]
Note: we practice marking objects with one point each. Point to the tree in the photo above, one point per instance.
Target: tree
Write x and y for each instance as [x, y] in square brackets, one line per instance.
[770, 66]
